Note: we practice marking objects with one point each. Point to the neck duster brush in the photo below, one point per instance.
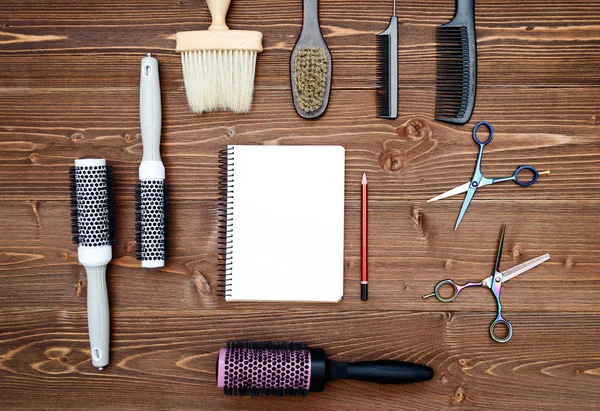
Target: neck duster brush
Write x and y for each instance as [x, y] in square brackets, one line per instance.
[288, 369]
[218, 64]
[151, 192]
[93, 229]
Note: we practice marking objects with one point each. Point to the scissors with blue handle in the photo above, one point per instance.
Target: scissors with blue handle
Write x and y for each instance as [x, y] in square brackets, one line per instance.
[478, 180]
[493, 282]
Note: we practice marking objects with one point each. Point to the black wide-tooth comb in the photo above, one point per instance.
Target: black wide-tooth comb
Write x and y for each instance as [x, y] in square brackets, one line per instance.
[456, 66]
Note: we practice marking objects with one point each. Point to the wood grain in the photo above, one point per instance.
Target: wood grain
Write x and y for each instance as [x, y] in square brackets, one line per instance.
[69, 84]
[45, 352]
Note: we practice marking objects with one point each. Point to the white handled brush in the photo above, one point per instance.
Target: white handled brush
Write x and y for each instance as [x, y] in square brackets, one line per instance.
[151, 192]
[218, 64]
[93, 229]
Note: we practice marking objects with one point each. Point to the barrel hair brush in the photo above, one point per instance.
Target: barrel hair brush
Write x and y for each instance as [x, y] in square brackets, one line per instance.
[152, 191]
[456, 66]
[290, 369]
[387, 69]
[219, 64]
[93, 228]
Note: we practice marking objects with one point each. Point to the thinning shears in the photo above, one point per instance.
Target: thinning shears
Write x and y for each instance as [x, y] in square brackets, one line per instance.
[478, 180]
[494, 283]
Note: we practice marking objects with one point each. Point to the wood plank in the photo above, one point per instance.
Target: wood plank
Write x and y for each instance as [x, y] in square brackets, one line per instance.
[168, 361]
[99, 45]
[412, 158]
[412, 246]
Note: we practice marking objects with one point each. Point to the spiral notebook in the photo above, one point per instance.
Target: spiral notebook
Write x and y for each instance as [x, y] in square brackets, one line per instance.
[282, 223]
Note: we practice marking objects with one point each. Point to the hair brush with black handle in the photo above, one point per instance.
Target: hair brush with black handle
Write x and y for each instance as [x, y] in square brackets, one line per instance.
[288, 369]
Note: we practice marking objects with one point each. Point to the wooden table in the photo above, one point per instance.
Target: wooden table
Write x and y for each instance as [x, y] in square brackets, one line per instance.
[69, 83]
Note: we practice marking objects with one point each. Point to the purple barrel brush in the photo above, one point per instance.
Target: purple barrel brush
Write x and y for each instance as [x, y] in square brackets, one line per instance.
[289, 369]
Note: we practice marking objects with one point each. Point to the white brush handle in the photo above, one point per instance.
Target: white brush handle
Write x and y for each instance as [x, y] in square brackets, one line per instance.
[218, 11]
[98, 315]
[95, 259]
[150, 120]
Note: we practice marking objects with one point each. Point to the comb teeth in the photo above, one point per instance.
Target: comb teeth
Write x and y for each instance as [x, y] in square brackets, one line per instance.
[456, 75]
[387, 71]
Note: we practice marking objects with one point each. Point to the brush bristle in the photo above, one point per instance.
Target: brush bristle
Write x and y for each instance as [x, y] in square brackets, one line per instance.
[92, 206]
[383, 75]
[151, 226]
[453, 100]
[219, 80]
[264, 368]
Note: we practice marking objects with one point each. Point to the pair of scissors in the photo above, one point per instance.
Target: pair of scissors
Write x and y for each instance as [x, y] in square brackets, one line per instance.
[493, 282]
[478, 180]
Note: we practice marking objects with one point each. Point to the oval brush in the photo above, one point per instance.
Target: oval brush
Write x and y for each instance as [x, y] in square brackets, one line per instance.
[310, 66]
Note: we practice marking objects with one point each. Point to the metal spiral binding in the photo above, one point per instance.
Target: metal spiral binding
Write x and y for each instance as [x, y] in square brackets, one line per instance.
[225, 220]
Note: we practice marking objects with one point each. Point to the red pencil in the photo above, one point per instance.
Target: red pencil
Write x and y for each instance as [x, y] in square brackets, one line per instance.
[364, 281]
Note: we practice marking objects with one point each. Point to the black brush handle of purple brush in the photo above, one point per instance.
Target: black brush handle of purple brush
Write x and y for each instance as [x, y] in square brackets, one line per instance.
[383, 372]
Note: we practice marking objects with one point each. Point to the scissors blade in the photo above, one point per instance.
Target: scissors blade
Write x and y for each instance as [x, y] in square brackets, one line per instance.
[468, 197]
[499, 255]
[457, 190]
[526, 266]
[516, 270]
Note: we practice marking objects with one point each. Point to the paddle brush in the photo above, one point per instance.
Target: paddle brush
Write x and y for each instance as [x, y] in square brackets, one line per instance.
[93, 229]
[456, 66]
[218, 64]
[288, 369]
[151, 192]
[310, 66]
[387, 69]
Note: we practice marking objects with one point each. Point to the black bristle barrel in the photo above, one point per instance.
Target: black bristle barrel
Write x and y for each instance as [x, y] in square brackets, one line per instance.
[152, 223]
[264, 368]
[387, 71]
[456, 83]
[92, 206]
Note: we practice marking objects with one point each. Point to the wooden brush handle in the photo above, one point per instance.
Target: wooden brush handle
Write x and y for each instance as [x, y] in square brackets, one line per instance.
[218, 11]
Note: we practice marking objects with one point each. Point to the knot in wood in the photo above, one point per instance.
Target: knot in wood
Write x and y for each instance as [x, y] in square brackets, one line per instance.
[516, 252]
[77, 137]
[230, 131]
[131, 245]
[569, 263]
[391, 160]
[414, 130]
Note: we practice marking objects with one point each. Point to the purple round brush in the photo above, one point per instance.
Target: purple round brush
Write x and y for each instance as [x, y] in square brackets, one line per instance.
[255, 368]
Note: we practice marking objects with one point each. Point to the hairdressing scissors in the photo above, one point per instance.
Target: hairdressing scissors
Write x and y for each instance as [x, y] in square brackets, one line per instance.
[478, 180]
[493, 282]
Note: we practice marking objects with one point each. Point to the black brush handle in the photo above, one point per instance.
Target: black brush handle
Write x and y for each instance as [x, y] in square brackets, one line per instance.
[383, 372]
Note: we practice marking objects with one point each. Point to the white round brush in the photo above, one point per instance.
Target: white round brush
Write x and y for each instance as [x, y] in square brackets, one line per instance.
[151, 193]
[93, 230]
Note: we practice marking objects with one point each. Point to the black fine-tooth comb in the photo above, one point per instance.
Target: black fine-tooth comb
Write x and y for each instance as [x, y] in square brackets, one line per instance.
[387, 70]
[456, 66]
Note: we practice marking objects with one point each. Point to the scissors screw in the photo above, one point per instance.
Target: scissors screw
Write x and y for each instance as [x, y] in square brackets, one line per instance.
[497, 279]
[474, 183]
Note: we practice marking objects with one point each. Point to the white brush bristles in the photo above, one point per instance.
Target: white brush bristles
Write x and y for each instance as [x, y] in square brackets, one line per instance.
[219, 80]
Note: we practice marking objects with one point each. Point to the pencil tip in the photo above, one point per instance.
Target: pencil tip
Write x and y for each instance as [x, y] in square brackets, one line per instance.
[364, 179]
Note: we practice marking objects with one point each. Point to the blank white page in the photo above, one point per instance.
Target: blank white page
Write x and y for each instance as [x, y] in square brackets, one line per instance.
[287, 238]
